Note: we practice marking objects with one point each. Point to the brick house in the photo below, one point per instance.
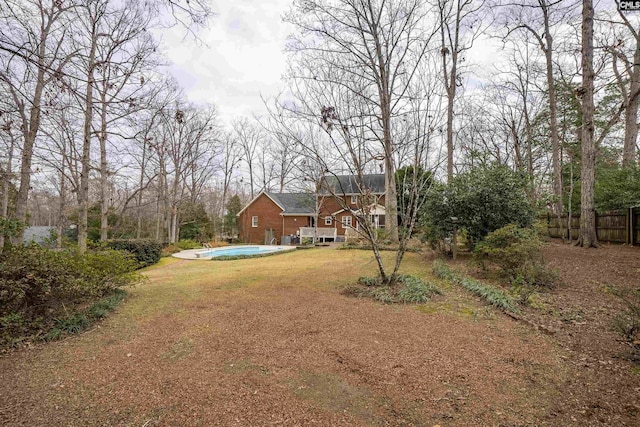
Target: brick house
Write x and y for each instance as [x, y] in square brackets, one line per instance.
[327, 215]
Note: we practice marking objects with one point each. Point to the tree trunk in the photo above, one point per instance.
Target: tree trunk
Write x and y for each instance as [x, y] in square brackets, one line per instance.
[391, 196]
[141, 183]
[450, 83]
[30, 131]
[6, 181]
[588, 237]
[529, 137]
[391, 200]
[61, 208]
[517, 150]
[631, 115]
[83, 191]
[553, 119]
[104, 171]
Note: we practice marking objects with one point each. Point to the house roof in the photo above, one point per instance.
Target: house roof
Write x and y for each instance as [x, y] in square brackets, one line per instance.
[290, 203]
[350, 184]
[294, 203]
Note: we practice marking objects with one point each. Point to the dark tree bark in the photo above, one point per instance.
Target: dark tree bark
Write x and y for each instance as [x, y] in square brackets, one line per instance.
[588, 237]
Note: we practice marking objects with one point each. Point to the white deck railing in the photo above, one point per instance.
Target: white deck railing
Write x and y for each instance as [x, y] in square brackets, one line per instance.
[321, 233]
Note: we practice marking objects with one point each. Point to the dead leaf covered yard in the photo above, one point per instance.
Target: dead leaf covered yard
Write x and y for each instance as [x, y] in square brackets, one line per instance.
[271, 341]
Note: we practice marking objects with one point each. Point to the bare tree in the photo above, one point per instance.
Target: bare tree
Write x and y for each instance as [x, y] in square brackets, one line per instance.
[539, 18]
[460, 25]
[348, 144]
[248, 135]
[230, 158]
[183, 150]
[377, 46]
[625, 61]
[32, 60]
[284, 158]
[123, 59]
[90, 18]
[6, 174]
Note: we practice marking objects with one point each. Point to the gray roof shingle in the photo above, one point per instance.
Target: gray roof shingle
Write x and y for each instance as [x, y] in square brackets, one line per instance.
[349, 184]
[295, 203]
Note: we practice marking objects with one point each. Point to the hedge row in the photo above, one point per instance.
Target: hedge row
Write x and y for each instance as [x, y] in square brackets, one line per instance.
[38, 286]
[146, 251]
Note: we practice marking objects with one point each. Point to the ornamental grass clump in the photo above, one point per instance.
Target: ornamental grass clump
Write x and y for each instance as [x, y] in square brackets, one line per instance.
[406, 290]
[491, 295]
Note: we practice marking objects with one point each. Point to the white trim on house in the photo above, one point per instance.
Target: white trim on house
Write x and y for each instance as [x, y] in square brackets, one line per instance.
[256, 198]
[337, 212]
[354, 199]
[347, 221]
[254, 221]
[328, 220]
[375, 209]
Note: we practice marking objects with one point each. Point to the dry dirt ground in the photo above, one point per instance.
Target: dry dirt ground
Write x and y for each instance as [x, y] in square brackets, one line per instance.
[271, 341]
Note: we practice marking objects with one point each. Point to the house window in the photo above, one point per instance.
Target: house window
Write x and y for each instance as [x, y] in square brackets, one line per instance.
[254, 221]
[354, 200]
[346, 222]
[328, 220]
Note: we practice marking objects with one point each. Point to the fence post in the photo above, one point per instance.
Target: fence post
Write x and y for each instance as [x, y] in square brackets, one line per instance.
[632, 226]
[629, 227]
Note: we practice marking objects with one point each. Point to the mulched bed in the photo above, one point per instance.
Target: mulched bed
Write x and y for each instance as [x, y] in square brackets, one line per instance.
[601, 385]
[604, 386]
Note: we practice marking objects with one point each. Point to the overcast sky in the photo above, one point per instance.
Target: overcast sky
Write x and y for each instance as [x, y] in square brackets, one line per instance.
[243, 56]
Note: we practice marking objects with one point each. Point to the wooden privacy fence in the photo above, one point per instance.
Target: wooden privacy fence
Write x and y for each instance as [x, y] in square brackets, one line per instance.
[615, 227]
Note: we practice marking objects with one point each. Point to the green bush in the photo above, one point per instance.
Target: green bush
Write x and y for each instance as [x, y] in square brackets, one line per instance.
[38, 285]
[481, 201]
[510, 248]
[517, 253]
[617, 187]
[146, 251]
[188, 244]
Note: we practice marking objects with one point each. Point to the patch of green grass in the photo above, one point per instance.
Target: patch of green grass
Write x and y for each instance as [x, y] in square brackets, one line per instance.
[179, 350]
[239, 366]
[334, 393]
[491, 295]
[458, 309]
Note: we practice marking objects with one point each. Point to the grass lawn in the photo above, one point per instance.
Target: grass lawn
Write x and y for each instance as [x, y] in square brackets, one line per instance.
[271, 341]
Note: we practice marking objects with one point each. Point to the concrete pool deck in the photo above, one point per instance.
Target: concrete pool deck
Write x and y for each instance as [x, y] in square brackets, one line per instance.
[193, 253]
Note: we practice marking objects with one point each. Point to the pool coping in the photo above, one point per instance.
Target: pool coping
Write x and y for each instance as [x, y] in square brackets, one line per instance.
[193, 253]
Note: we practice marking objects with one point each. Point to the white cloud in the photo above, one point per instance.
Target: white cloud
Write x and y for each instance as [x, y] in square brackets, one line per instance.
[241, 58]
